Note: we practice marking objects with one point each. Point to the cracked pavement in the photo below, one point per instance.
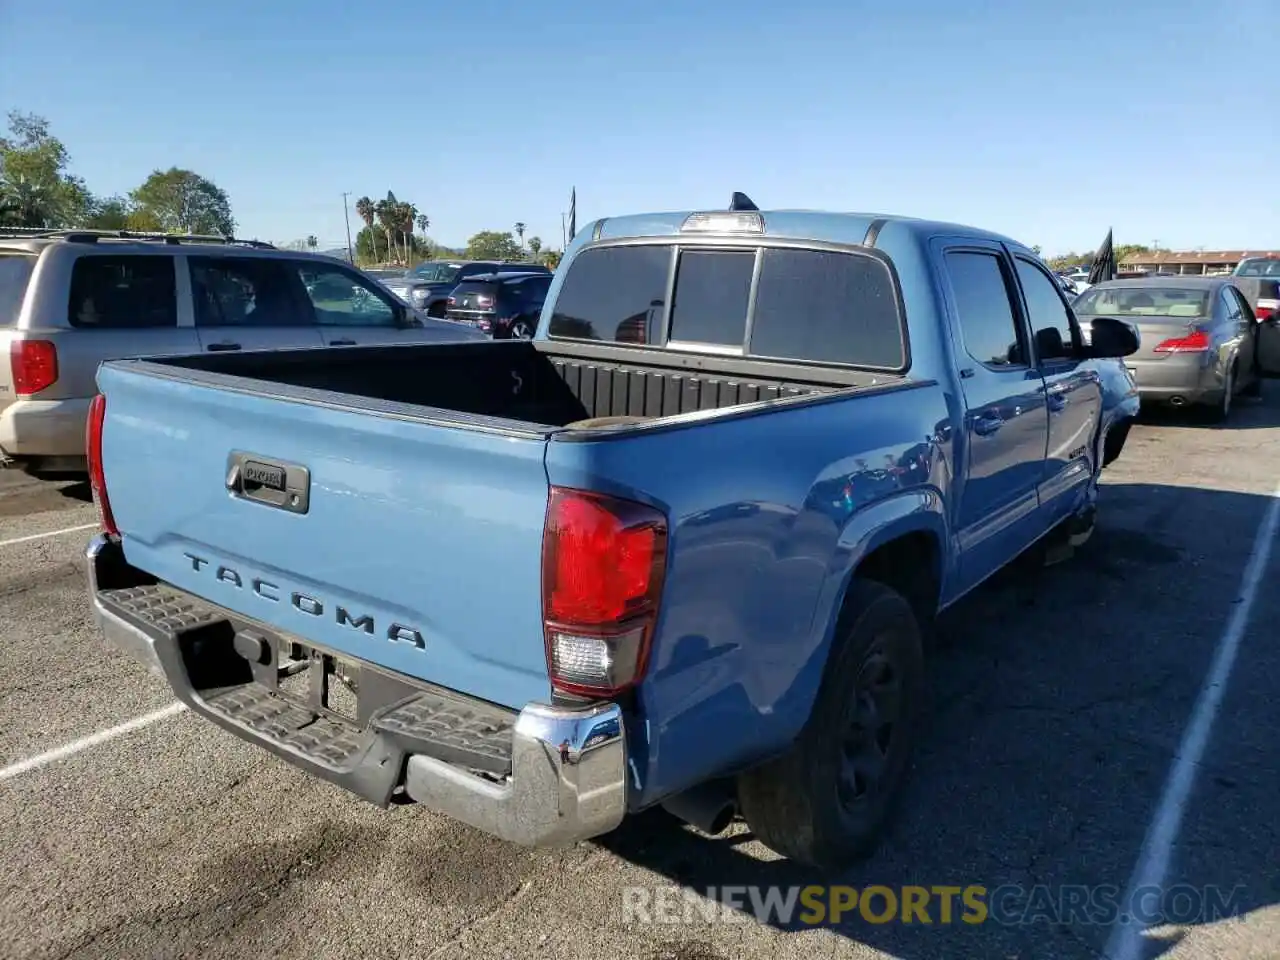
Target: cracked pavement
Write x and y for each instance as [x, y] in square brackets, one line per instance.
[1059, 697]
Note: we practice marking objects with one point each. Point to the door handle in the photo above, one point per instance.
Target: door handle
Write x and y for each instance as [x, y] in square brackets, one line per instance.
[215, 347]
[342, 343]
[986, 425]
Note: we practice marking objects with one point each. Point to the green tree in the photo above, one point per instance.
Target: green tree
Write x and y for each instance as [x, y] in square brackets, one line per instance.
[312, 242]
[552, 258]
[365, 211]
[493, 245]
[535, 246]
[108, 213]
[182, 201]
[520, 228]
[35, 188]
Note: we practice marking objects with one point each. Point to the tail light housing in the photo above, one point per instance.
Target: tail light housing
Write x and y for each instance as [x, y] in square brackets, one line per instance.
[34, 365]
[603, 565]
[93, 451]
[1264, 312]
[1195, 342]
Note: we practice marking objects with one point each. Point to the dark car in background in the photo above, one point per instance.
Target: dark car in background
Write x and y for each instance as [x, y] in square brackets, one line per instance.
[504, 305]
[427, 286]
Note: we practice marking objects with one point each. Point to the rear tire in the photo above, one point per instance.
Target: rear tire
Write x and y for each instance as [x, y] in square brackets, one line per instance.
[1113, 444]
[1221, 413]
[828, 800]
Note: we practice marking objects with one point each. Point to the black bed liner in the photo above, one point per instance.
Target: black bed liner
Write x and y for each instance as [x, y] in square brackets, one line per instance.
[531, 386]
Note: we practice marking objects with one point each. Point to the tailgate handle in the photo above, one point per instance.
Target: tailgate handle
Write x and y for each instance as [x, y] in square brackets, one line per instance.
[272, 483]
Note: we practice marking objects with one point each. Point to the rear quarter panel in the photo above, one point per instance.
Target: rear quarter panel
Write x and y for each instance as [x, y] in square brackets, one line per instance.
[768, 515]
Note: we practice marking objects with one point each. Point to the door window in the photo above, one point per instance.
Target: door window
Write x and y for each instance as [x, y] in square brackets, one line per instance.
[1051, 327]
[340, 298]
[244, 292]
[613, 294]
[123, 293]
[988, 325]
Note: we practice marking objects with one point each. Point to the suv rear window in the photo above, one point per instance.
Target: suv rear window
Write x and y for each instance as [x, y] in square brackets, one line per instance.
[811, 305]
[123, 292]
[474, 295]
[15, 271]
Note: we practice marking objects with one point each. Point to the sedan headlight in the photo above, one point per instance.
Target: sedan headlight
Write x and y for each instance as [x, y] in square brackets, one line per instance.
[419, 295]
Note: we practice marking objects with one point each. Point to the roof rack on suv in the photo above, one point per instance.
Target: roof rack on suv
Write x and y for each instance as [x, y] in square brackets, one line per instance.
[73, 235]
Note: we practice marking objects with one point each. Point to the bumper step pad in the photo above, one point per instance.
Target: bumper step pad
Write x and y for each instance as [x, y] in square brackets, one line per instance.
[407, 717]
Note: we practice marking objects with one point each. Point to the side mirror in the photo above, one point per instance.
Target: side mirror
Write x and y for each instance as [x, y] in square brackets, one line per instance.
[1110, 337]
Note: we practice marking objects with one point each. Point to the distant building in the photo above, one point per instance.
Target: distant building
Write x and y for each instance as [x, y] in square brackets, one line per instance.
[1192, 262]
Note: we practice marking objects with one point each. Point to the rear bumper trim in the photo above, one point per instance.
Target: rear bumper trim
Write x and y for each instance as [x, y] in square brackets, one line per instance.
[566, 776]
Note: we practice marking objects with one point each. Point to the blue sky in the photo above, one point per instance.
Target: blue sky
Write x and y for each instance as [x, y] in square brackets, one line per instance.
[1045, 121]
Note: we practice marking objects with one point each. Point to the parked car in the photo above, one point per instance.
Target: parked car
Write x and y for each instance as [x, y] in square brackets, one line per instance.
[504, 305]
[1201, 345]
[722, 537]
[1258, 278]
[71, 299]
[428, 285]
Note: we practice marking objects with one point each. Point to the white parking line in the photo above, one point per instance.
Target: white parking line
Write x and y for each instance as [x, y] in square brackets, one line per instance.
[84, 743]
[51, 533]
[1128, 939]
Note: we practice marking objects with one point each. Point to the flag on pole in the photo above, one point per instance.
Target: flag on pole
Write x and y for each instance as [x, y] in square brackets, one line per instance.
[573, 213]
[1104, 262]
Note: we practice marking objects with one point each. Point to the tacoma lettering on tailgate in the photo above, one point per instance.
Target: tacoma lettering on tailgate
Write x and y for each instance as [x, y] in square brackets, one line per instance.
[305, 603]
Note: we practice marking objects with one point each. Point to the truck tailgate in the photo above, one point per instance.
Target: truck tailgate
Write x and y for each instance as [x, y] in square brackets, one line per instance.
[415, 546]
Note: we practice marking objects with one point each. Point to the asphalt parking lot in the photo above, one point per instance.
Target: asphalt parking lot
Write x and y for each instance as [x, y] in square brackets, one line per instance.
[1061, 697]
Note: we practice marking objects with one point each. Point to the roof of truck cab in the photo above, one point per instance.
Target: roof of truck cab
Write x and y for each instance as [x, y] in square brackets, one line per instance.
[819, 225]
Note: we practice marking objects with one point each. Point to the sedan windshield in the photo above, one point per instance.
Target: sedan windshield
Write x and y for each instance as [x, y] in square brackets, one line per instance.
[434, 272]
[1143, 301]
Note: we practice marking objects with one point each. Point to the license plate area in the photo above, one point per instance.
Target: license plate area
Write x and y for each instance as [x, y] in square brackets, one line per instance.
[318, 680]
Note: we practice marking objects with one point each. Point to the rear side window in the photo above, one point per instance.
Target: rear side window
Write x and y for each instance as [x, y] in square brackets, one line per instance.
[123, 293]
[15, 271]
[614, 294]
[246, 292]
[827, 307]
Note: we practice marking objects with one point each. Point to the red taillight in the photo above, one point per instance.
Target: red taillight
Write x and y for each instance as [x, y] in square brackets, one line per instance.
[34, 364]
[603, 563]
[1263, 313]
[1196, 342]
[93, 451]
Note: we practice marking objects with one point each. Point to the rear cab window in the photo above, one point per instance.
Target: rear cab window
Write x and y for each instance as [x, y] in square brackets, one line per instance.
[15, 271]
[123, 292]
[770, 303]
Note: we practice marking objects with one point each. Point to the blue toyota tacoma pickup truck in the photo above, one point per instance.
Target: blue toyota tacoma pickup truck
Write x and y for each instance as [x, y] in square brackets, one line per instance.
[683, 548]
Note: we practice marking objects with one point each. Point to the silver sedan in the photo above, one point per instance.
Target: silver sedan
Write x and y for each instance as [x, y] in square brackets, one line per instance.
[1199, 338]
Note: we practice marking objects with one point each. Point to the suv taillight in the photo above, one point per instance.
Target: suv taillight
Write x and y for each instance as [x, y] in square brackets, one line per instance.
[93, 451]
[34, 364]
[603, 564]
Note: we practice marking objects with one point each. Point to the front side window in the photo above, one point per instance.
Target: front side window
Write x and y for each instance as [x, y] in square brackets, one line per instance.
[244, 292]
[1047, 313]
[341, 299]
[123, 292]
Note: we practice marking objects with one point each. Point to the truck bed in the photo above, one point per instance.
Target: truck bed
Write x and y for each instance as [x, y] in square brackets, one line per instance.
[541, 384]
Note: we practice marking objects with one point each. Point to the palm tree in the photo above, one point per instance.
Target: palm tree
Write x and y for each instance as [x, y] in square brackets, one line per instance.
[535, 245]
[423, 222]
[364, 210]
[386, 213]
[312, 242]
[408, 214]
[520, 228]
